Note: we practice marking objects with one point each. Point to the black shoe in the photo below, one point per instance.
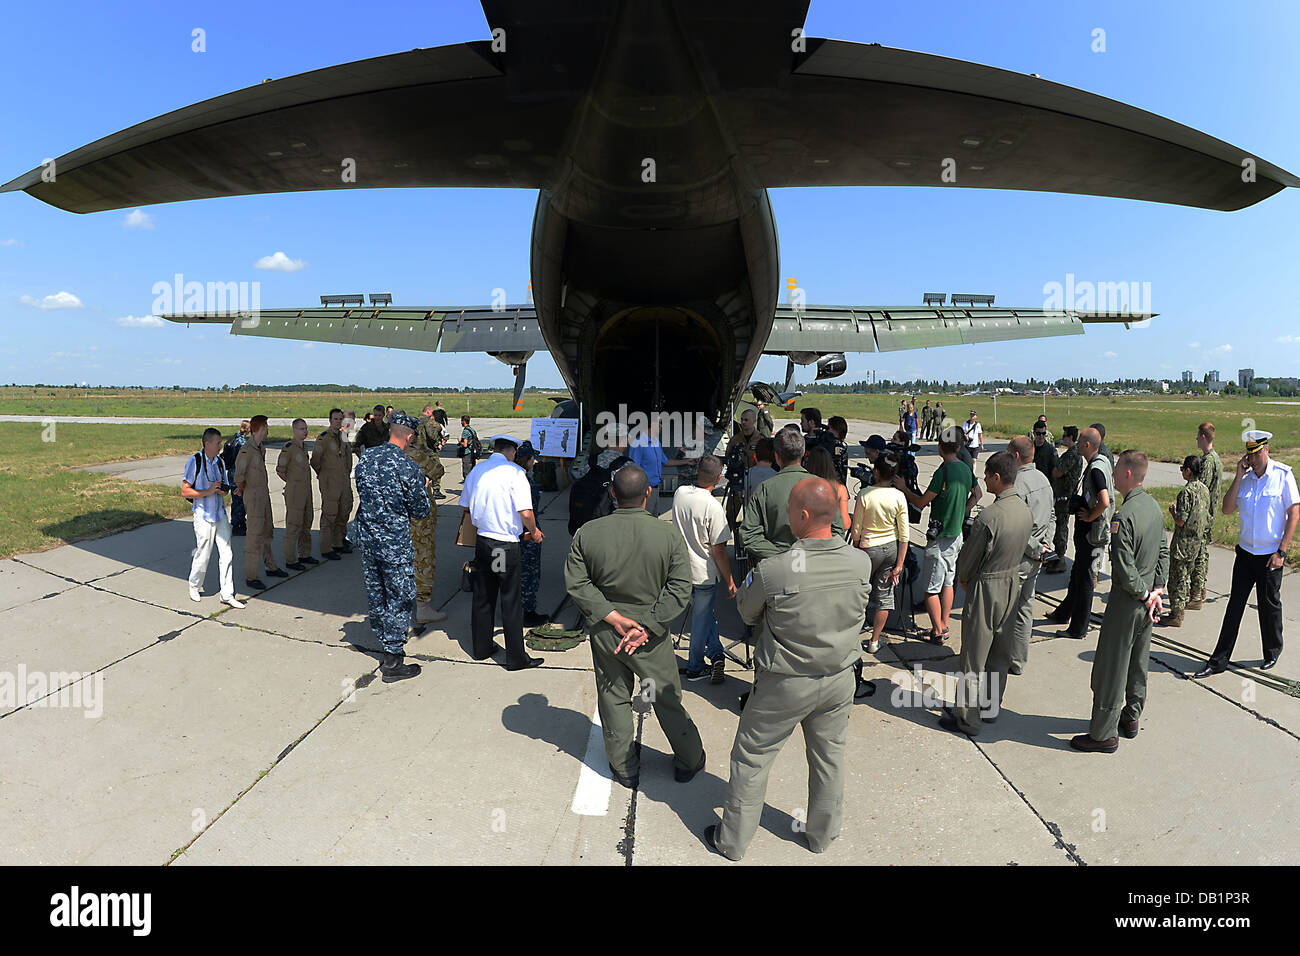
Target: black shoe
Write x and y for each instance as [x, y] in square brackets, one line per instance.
[718, 672]
[296, 566]
[496, 649]
[686, 776]
[1085, 743]
[525, 664]
[393, 669]
[332, 556]
[864, 688]
[255, 585]
[629, 782]
[309, 560]
[700, 674]
[949, 722]
[277, 573]
[1057, 618]
[1074, 637]
[347, 546]
[1208, 670]
[533, 619]
[1268, 665]
[711, 839]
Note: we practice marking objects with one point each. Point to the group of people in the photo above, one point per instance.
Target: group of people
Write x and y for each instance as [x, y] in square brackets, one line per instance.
[813, 568]
[922, 424]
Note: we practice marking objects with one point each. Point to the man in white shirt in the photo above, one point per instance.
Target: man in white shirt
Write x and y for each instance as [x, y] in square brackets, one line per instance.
[206, 483]
[1265, 493]
[699, 517]
[500, 503]
[974, 434]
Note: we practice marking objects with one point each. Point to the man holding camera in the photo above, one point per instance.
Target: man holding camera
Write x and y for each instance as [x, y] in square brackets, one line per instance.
[205, 484]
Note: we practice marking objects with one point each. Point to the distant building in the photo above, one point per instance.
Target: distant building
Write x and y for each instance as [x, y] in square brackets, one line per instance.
[1245, 376]
[1212, 375]
[1216, 387]
[1187, 375]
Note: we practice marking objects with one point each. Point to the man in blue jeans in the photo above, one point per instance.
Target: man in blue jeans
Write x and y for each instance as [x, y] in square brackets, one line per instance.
[700, 519]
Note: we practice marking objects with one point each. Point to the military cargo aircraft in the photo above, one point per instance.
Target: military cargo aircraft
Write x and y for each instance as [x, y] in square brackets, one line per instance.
[652, 131]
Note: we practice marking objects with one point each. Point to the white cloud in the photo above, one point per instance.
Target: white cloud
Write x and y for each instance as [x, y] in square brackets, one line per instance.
[1110, 355]
[1222, 349]
[308, 345]
[60, 300]
[138, 219]
[279, 263]
[1193, 345]
[1288, 339]
[10, 242]
[140, 322]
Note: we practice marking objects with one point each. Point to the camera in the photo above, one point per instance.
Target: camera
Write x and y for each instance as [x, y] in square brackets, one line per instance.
[863, 472]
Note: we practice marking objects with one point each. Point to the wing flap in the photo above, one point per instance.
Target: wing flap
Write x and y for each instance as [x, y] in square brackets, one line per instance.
[892, 329]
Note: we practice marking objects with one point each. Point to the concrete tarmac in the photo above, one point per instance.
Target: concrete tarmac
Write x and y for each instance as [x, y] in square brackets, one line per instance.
[163, 730]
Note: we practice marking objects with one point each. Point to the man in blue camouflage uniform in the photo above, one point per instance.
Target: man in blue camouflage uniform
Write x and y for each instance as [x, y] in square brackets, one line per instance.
[391, 493]
[530, 554]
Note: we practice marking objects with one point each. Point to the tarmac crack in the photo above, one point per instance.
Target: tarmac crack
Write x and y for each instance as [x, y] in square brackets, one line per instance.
[626, 847]
[1052, 828]
[360, 683]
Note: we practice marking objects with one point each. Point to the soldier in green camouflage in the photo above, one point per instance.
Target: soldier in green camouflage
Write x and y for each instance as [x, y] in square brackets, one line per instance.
[1191, 517]
[424, 531]
[1065, 482]
[1212, 477]
[431, 435]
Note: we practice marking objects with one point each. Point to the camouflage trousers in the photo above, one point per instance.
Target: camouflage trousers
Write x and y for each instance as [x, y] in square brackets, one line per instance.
[530, 573]
[424, 533]
[1184, 555]
[1201, 570]
[390, 591]
[1061, 537]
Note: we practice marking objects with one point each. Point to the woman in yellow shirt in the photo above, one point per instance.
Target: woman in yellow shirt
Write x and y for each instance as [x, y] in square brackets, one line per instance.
[880, 528]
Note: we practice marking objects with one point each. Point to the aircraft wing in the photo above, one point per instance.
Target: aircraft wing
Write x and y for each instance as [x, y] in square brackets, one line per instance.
[513, 329]
[431, 117]
[852, 114]
[839, 328]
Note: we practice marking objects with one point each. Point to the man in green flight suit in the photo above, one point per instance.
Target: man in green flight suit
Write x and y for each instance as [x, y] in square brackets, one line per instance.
[988, 570]
[1139, 560]
[1191, 514]
[803, 670]
[765, 530]
[1211, 476]
[630, 575]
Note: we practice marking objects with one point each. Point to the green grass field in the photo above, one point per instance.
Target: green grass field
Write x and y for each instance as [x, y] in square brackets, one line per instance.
[45, 502]
[169, 403]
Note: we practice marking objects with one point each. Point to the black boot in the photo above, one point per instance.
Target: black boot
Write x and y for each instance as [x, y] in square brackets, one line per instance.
[393, 669]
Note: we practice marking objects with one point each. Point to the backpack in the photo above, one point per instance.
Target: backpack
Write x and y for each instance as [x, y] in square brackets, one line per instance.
[589, 496]
[228, 454]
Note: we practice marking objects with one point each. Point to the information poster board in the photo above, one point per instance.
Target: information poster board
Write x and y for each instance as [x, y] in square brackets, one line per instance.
[555, 437]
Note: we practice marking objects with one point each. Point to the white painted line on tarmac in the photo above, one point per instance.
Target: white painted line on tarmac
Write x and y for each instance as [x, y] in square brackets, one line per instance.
[591, 798]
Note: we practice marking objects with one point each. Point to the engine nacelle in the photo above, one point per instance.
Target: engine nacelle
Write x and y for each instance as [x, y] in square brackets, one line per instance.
[831, 365]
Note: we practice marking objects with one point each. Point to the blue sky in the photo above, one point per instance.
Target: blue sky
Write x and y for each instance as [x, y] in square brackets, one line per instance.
[1226, 284]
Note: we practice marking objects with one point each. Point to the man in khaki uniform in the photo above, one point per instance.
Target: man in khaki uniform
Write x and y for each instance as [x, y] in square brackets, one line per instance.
[293, 468]
[424, 531]
[988, 570]
[803, 670]
[765, 530]
[630, 575]
[1035, 489]
[250, 479]
[331, 459]
[1139, 563]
